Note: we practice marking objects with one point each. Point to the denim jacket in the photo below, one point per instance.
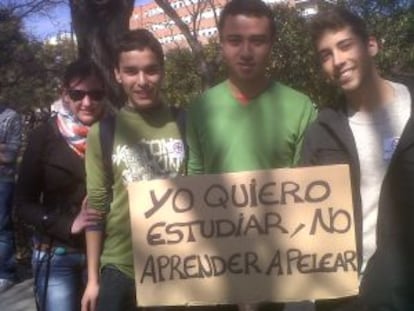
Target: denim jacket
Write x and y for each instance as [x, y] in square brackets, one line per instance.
[10, 140]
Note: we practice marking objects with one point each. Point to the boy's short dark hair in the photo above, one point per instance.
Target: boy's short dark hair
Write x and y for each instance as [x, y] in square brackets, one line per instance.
[336, 18]
[256, 8]
[139, 39]
[81, 69]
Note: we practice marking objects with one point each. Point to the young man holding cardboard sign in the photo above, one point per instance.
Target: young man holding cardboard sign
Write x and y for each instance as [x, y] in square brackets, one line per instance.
[372, 130]
[249, 122]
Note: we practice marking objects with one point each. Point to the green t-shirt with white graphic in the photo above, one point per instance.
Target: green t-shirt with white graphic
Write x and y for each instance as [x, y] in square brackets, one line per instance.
[147, 145]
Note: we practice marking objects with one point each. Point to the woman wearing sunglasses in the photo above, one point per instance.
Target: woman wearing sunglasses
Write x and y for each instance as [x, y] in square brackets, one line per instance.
[51, 191]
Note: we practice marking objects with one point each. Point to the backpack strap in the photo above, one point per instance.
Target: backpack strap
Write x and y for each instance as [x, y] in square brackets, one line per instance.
[106, 137]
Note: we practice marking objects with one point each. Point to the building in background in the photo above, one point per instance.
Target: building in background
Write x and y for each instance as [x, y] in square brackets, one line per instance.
[199, 15]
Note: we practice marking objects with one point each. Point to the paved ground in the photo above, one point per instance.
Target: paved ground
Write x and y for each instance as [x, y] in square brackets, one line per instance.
[20, 296]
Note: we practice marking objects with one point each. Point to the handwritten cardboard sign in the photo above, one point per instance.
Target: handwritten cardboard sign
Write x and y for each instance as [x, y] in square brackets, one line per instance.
[276, 235]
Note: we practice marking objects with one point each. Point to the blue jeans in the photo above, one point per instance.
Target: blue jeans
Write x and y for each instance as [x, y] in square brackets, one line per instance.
[59, 280]
[7, 260]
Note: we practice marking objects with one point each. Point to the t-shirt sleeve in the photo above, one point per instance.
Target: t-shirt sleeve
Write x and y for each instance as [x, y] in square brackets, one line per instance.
[195, 163]
[96, 179]
[308, 116]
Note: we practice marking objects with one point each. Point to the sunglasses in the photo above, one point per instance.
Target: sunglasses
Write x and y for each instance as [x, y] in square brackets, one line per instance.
[80, 94]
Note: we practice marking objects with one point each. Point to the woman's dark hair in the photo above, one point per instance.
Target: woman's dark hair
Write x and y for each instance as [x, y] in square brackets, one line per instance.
[80, 70]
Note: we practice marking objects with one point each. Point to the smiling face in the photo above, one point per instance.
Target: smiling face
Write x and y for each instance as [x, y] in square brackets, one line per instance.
[83, 98]
[346, 59]
[246, 43]
[140, 73]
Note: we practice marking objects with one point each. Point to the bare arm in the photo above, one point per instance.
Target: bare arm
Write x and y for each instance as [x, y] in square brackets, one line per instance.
[98, 197]
[94, 239]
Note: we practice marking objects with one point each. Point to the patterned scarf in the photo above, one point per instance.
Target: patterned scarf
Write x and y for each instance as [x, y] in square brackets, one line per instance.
[72, 130]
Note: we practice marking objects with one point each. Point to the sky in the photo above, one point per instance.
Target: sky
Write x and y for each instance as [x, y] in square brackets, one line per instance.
[58, 21]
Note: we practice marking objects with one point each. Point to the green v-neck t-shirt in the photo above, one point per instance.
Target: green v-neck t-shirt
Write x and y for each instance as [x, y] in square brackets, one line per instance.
[226, 135]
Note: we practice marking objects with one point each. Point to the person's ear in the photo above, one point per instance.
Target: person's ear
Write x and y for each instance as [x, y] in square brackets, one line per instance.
[117, 75]
[64, 94]
[372, 46]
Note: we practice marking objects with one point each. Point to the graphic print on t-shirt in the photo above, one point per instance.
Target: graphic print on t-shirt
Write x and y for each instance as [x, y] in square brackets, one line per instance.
[149, 159]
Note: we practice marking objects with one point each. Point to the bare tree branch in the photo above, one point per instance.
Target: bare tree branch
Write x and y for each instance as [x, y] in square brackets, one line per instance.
[214, 9]
[24, 8]
[206, 69]
[183, 27]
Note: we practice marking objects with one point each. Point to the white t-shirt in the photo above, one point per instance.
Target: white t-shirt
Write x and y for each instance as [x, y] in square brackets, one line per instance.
[376, 135]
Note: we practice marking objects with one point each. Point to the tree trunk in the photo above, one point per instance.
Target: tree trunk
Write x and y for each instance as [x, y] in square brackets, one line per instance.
[98, 25]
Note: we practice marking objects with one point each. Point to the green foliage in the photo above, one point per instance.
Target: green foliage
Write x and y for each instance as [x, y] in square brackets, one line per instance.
[30, 70]
[293, 61]
[183, 81]
[10, 36]
[212, 51]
